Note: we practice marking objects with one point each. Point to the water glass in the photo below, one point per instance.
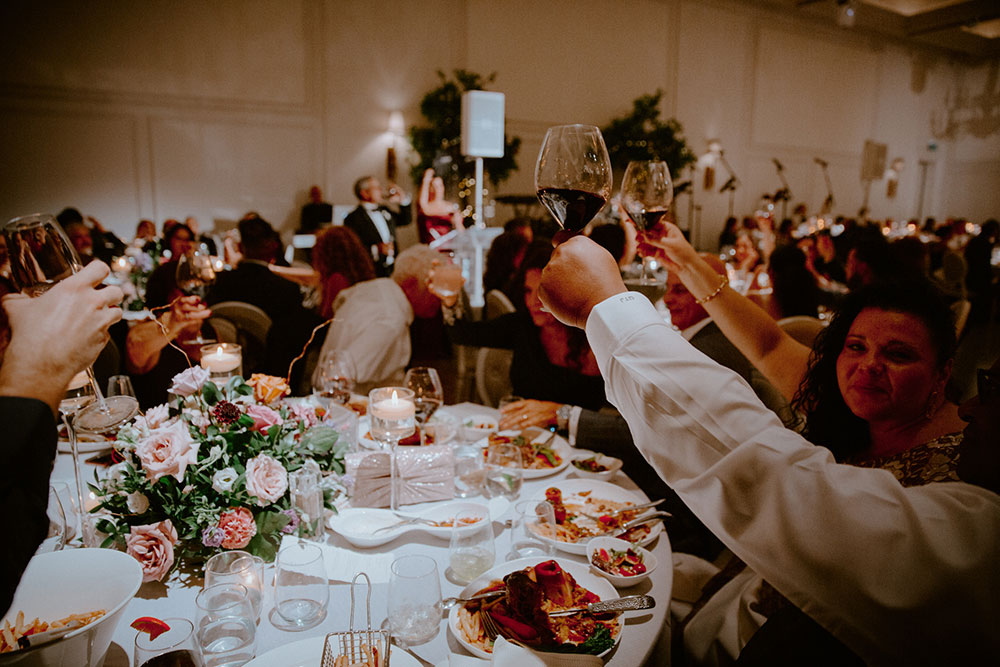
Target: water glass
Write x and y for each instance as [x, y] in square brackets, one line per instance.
[301, 591]
[226, 625]
[504, 471]
[238, 567]
[472, 551]
[120, 385]
[468, 471]
[307, 499]
[174, 648]
[414, 607]
[532, 520]
[334, 376]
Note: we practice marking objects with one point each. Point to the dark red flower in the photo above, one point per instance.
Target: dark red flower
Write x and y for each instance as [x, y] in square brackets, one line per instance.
[226, 413]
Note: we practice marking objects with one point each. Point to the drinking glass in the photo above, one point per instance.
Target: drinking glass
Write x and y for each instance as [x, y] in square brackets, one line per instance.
[226, 626]
[174, 648]
[532, 519]
[334, 376]
[195, 274]
[40, 256]
[392, 414]
[468, 470]
[647, 192]
[504, 471]
[427, 392]
[447, 279]
[301, 592]
[414, 606]
[120, 385]
[55, 538]
[472, 550]
[307, 499]
[573, 174]
[238, 567]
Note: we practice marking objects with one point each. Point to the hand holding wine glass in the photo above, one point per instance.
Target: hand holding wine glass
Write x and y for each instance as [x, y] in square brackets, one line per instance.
[195, 274]
[647, 193]
[573, 175]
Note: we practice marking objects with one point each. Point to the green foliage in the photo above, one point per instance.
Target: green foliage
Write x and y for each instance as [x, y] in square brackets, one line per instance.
[442, 134]
[641, 135]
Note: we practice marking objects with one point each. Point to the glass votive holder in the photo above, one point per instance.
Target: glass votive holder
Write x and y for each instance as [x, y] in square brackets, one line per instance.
[307, 499]
[222, 361]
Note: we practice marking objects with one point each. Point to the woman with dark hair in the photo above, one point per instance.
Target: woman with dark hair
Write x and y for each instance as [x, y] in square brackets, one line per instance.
[795, 289]
[503, 259]
[727, 236]
[552, 362]
[872, 389]
[341, 261]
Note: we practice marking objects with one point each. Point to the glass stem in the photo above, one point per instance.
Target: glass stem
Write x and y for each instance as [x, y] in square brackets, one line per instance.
[98, 394]
[642, 270]
[393, 493]
[80, 508]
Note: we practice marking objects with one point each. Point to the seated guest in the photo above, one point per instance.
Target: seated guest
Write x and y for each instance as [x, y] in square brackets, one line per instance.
[70, 323]
[436, 216]
[868, 259]
[822, 533]
[502, 261]
[103, 245]
[341, 261]
[727, 237]
[794, 288]
[315, 213]
[79, 236]
[372, 318]
[145, 232]
[161, 288]
[826, 262]
[376, 218]
[202, 239]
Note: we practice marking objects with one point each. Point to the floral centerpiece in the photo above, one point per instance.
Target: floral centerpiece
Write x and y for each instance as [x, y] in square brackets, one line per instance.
[209, 471]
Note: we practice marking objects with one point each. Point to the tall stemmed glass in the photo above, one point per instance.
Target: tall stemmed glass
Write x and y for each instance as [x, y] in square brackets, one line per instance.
[40, 256]
[334, 376]
[427, 392]
[392, 419]
[195, 274]
[647, 192]
[573, 174]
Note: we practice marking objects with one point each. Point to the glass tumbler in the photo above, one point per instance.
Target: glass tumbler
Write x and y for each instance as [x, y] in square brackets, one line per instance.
[533, 521]
[472, 550]
[414, 606]
[226, 626]
[504, 471]
[238, 567]
[301, 591]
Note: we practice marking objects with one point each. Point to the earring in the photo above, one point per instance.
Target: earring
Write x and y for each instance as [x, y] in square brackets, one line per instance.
[932, 405]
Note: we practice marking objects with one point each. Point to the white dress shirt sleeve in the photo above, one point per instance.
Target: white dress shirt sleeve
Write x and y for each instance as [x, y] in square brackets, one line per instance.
[898, 574]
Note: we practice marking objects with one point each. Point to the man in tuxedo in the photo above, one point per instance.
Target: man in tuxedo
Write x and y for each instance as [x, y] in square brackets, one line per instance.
[376, 218]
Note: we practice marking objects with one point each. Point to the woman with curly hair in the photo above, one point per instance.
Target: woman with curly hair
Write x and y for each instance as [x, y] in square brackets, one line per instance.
[341, 261]
[872, 388]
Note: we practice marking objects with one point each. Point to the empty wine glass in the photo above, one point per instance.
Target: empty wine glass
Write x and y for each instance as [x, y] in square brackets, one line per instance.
[573, 174]
[427, 392]
[195, 274]
[647, 193]
[40, 256]
[334, 376]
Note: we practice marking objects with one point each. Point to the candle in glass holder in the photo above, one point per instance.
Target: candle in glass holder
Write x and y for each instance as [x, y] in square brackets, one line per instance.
[222, 360]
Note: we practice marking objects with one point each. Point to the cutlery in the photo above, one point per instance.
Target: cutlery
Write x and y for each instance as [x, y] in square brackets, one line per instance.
[448, 603]
[627, 603]
[625, 527]
[630, 508]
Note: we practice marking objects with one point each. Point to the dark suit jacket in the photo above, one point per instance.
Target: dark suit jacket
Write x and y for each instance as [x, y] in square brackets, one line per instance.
[254, 283]
[26, 455]
[362, 224]
[314, 215]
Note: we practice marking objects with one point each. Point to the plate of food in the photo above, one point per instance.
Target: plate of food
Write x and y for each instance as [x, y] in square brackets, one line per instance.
[587, 508]
[309, 652]
[371, 527]
[544, 452]
[535, 587]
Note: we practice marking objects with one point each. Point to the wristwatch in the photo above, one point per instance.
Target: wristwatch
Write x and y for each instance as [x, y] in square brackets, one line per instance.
[562, 417]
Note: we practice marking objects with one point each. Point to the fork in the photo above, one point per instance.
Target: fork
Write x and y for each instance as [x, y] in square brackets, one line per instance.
[493, 630]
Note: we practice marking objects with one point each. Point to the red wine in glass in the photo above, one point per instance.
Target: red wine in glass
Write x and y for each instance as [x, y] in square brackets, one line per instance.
[179, 658]
[573, 174]
[572, 209]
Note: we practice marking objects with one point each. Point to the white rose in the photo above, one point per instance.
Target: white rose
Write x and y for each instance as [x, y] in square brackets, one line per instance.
[116, 474]
[223, 480]
[157, 416]
[137, 503]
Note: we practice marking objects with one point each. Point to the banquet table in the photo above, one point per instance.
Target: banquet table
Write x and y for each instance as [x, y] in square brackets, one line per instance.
[644, 632]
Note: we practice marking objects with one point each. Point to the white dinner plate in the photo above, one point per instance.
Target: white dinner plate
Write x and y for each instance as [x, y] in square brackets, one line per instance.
[558, 444]
[86, 444]
[309, 652]
[578, 489]
[580, 571]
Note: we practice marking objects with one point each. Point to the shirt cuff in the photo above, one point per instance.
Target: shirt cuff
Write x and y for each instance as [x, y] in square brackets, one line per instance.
[616, 318]
[571, 426]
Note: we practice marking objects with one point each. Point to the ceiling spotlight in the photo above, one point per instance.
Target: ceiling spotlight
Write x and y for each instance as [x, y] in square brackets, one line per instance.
[845, 13]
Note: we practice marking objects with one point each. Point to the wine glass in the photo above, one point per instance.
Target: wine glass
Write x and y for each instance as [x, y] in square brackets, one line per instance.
[195, 274]
[334, 376]
[646, 196]
[427, 392]
[40, 256]
[573, 174]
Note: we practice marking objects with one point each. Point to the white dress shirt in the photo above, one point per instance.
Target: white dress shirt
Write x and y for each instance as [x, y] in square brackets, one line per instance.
[900, 575]
[372, 322]
[378, 219]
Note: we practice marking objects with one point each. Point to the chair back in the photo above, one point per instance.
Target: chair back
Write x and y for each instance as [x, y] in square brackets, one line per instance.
[802, 328]
[497, 304]
[493, 375]
[961, 310]
[225, 331]
[251, 324]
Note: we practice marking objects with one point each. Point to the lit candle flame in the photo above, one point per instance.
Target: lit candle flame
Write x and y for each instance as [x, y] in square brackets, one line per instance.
[395, 400]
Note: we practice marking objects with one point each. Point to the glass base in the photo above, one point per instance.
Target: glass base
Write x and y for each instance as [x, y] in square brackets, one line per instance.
[116, 411]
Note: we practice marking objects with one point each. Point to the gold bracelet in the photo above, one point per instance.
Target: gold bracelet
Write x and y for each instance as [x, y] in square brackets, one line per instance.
[718, 290]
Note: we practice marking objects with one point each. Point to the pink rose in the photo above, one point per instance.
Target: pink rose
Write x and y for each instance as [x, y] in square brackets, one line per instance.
[266, 479]
[238, 526]
[190, 381]
[157, 416]
[167, 451]
[263, 417]
[153, 546]
[304, 413]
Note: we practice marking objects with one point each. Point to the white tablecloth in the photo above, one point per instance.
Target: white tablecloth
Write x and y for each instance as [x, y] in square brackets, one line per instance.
[176, 598]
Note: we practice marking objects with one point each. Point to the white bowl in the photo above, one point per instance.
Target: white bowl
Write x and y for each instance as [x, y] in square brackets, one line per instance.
[74, 581]
[612, 464]
[620, 581]
[476, 427]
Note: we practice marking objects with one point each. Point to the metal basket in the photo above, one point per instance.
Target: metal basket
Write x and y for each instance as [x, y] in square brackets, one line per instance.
[352, 643]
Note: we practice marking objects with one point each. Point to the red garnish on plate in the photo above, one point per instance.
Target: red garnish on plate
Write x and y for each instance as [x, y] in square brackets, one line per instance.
[154, 627]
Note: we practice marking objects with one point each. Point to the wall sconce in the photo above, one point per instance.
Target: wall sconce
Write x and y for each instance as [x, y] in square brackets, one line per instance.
[396, 128]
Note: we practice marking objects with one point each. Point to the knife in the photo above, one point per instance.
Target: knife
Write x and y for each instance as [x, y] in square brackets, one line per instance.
[627, 603]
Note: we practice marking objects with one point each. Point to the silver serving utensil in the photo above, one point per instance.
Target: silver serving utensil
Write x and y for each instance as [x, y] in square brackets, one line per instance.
[625, 527]
[627, 603]
[448, 603]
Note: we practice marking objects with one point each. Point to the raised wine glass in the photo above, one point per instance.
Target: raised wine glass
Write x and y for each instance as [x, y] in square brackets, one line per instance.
[573, 174]
[647, 192]
[427, 392]
[40, 256]
[195, 274]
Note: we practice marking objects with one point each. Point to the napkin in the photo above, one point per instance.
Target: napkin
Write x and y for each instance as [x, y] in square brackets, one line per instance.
[425, 474]
[342, 564]
[506, 654]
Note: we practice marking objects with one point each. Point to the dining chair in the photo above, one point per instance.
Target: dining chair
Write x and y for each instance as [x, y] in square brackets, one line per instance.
[802, 328]
[251, 324]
